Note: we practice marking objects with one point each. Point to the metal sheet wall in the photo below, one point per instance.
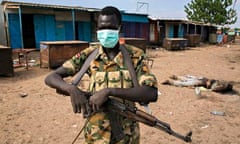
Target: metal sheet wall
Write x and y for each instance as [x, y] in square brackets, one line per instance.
[63, 15]
[135, 30]
[82, 16]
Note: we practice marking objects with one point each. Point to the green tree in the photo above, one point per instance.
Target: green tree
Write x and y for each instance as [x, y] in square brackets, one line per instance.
[217, 12]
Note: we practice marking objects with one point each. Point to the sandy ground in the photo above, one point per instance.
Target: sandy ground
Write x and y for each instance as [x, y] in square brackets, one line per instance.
[44, 117]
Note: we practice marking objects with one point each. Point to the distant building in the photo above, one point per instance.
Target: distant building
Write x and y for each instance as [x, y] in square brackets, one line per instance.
[161, 29]
[27, 24]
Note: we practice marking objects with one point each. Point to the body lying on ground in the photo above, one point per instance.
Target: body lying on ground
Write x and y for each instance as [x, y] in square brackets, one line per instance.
[201, 83]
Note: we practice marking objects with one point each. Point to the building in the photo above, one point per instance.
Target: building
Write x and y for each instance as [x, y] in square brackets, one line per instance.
[194, 32]
[25, 25]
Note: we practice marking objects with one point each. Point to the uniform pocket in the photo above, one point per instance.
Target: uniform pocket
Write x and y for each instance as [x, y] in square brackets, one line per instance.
[100, 81]
[114, 79]
[127, 80]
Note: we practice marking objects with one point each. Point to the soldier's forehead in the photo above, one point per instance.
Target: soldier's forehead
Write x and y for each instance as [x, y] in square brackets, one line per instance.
[107, 20]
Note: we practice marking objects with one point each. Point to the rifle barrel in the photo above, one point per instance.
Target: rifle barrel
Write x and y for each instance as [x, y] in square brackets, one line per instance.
[167, 128]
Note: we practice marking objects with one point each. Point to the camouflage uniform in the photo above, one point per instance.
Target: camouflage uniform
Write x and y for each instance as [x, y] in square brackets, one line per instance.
[105, 73]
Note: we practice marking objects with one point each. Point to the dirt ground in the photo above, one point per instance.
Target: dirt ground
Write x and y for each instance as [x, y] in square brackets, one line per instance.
[44, 117]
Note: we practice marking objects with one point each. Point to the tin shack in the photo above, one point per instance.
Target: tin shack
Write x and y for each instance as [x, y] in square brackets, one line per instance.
[27, 24]
[177, 33]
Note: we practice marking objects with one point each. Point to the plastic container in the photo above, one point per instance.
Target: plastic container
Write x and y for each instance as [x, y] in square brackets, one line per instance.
[220, 113]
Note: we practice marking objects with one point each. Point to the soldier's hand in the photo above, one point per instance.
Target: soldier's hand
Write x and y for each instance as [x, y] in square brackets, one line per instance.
[98, 98]
[78, 99]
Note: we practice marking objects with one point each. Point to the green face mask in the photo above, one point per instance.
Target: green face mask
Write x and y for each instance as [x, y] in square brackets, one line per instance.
[108, 38]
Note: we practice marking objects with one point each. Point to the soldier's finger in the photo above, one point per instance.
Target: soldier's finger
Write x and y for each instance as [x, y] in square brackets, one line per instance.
[74, 108]
[83, 108]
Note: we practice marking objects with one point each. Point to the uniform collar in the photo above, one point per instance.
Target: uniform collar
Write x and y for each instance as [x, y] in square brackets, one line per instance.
[103, 56]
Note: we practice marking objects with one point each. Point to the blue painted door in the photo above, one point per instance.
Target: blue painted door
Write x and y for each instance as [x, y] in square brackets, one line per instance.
[60, 30]
[14, 31]
[44, 26]
[68, 30]
[50, 28]
[84, 31]
[180, 31]
[171, 31]
[64, 30]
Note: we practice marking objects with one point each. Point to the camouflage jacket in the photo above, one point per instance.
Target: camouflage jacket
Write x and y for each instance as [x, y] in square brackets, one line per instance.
[105, 73]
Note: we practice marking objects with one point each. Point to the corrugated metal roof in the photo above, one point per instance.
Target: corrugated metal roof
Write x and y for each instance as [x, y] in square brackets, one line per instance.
[181, 20]
[131, 17]
[37, 3]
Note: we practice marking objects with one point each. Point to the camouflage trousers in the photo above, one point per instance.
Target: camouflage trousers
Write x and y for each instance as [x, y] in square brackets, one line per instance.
[98, 130]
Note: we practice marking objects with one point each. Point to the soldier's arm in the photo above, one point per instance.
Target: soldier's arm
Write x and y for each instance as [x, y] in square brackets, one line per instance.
[143, 94]
[55, 79]
[78, 97]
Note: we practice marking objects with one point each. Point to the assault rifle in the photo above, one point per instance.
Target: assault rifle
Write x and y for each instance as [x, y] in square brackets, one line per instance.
[138, 115]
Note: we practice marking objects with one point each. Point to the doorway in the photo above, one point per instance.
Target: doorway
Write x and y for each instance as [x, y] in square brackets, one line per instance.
[28, 31]
[175, 31]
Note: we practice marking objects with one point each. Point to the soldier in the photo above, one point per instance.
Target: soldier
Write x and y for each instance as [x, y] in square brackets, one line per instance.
[109, 78]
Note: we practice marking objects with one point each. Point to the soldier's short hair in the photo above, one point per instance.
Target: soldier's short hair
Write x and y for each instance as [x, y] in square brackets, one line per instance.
[109, 10]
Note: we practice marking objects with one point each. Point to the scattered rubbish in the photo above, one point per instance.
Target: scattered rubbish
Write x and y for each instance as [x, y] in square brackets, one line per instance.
[220, 113]
[15, 61]
[206, 126]
[159, 93]
[23, 94]
[198, 90]
[74, 125]
[32, 62]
